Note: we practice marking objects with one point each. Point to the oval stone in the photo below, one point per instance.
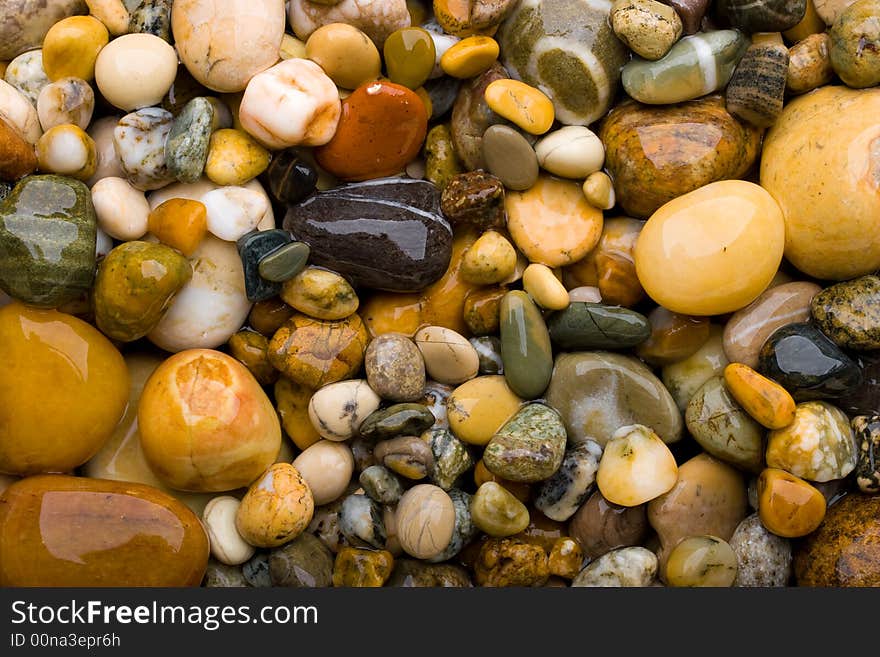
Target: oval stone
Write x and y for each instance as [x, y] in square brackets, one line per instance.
[529, 447]
[385, 234]
[849, 313]
[867, 434]
[584, 326]
[807, 364]
[525, 346]
[397, 420]
[57, 530]
[598, 392]
[562, 494]
[48, 232]
[657, 153]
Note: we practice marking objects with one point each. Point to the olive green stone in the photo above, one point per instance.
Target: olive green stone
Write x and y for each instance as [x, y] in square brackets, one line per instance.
[441, 162]
[723, 428]
[497, 512]
[451, 457]
[48, 233]
[186, 148]
[510, 157]
[285, 262]
[411, 573]
[855, 44]
[400, 419]
[849, 313]
[135, 285]
[525, 346]
[305, 562]
[410, 55]
[381, 484]
[695, 66]
[529, 447]
[586, 325]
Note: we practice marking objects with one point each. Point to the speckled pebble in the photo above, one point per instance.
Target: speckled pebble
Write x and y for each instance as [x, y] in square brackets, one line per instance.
[623, 567]
[764, 559]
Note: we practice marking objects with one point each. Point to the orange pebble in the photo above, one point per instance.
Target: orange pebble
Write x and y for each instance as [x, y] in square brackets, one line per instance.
[766, 401]
[180, 223]
[789, 506]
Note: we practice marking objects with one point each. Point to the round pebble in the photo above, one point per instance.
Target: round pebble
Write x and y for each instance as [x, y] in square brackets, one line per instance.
[135, 70]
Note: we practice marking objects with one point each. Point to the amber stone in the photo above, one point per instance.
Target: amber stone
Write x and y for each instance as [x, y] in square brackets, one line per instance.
[268, 315]
[674, 337]
[314, 352]
[362, 567]
[443, 301]
[788, 506]
[57, 530]
[511, 562]
[17, 157]
[482, 310]
[657, 153]
[845, 550]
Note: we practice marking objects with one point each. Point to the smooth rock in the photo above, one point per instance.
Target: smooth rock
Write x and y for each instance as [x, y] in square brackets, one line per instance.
[756, 90]
[406, 419]
[18, 112]
[766, 401]
[648, 27]
[17, 157]
[227, 545]
[252, 248]
[26, 23]
[448, 356]
[585, 326]
[381, 484]
[409, 54]
[346, 54]
[809, 64]
[673, 338]
[233, 156]
[525, 346]
[598, 392]
[683, 378]
[71, 47]
[287, 264]
[68, 100]
[67, 150]
[277, 507]
[135, 71]
[139, 139]
[559, 496]
[361, 522]
[769, 16]
[789, 506]
[395, 368]
[425, 521]
[377, 21]
[303, 563]
[233, 212]
[290, 178]
[451, 457]
[479, 407]
[701, 561]
[624, 567]
[475, 197]
[510, 157]
[636, 466]
[497, 512]
[471, 118]
[601, 526]
[326, 467]
[337, 410]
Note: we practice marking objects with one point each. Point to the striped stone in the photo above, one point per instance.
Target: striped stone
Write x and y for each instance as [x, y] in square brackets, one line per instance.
[757, 88]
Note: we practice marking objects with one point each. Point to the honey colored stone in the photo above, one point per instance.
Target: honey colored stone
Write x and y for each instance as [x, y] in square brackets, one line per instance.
[379, 108]
[71, 47]
[491, 259]
[345, 53]
[497, 512]
[552, 223]
[708, 498]
[210, 38]
[543, 286]
[701, 561]
[320, 293]
[817, 445]
[443, 301]
[765, 400]
[54, 360]
[277, 507]
[636, 467]
[362, 567]
[292, 402]
[601, 526]
[315, 352]
[511, 562]
[425, 521]
[470, 57]
[527, 107]
[809, 64]
[267, 316]
[134, 535]
[482, 310]
[180, 223]
[390, 312]
[113, 13]
[566, 558]
[234, 157]
[829, 189]
[479, 407]
[206, 424]
[466, 17]
[251, 350]
[135, 70]
[787, 505]
[713, 250]
[845, 550]
[611, 265]
[17, 157]
[673, 337]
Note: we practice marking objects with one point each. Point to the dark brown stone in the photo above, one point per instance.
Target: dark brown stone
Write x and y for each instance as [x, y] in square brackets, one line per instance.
[475, 197]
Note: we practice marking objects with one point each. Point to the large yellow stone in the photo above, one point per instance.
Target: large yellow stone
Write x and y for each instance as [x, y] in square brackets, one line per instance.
[821, 162]
[713, 250]
[71, 47]
[63, 388]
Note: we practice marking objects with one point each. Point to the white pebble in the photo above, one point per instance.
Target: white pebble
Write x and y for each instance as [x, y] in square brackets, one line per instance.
[227, 545]
[625, 567]
[571, 152]
[233, 211]
[337, 409]
[17, 111]
[108, 164]
[68, 100]
[122, 210]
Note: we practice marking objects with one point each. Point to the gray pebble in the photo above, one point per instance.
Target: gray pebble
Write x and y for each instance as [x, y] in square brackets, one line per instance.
[763, 559]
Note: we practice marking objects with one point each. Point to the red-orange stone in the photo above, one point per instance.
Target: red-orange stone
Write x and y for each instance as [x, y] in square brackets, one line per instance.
[382, 128]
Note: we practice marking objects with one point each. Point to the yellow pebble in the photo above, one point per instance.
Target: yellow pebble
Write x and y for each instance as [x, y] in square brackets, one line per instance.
[426, 99]
[599, 190]
[71, 47]
[491, 259]
[67, 150]
[470, 57]
[234, 158]
[527, 107]
[478, 408]
[765, 400]
[543, 286]
[811, 23]
[112, 13]
[292, 48]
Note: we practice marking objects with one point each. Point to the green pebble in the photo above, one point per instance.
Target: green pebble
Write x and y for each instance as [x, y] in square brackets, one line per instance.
[410, 56]
[529, 447]
[186, 148]
[285, 262]
[397, 420]
[584, 326]
[525, 346]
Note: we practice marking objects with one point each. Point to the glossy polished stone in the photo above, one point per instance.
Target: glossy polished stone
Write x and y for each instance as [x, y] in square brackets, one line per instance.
[849, 313]
[525, 346]
[253, 247]
[290, 178]
[807, 364]
[387, 234]
[57, 530]
[584, 326]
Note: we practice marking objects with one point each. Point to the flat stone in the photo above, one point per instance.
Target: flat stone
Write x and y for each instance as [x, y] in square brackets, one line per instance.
[284, 263]
[584, 326]
[252, 248]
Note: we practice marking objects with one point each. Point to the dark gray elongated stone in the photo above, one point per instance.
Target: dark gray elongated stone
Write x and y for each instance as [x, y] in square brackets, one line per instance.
[586, 325]
[386, 234]
[253, 247]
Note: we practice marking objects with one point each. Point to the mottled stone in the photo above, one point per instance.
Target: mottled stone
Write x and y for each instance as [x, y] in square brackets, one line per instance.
[583, 326]
[511, 562]
[152, 17]
[411, 573]
[26, 74]
[475, 197]
[463, 532]
[765, 16]
[186, 148]
[305, 562]
[441, 162]
[256, 571]
[219, 575]
[25, 23]
[529, 447]
[361, 521]
[562, 494]
[849, 313]
[362, 567]
[395, 368]
[648, 27]
[763, 559]
[867, 434]
[451, 457]
[807, 364]
[623, 567]
[381, 484]
[139, 139]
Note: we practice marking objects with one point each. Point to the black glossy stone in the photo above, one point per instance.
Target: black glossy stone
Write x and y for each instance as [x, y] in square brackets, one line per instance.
[585, 325]
[252, 248]
[806, 363]
[289, 179]
[864, 399]
[397, 420]
[385, 234]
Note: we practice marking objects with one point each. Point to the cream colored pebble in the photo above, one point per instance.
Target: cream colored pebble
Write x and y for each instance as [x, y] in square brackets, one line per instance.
[636, 467]
[68, 100]
[121, 209]
[112, 13]
[17, 111]
[67, 150]
[108, 165]
[227, 545]
[233, 211]
[26, 74]
[599, 190]
[543, 286]
[327, 467]
[136, 70]
[337, 409]
[292, 48]
[571, 152]
[293, 103]
[449, 357]
[585, 293]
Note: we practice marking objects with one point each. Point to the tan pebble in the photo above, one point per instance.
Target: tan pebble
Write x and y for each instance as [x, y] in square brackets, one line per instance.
[294, 103]
[112, 13]
[68, 100]
[497, 512]
[136, 70]
[701, 561]
[636, 467]
[449, 356]
[227, 545]
[425, 521]
[326, 467]
[543, 286]
[599, 190]
[277, 507]
[67, 150]
[345, 53]
[122, 210]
